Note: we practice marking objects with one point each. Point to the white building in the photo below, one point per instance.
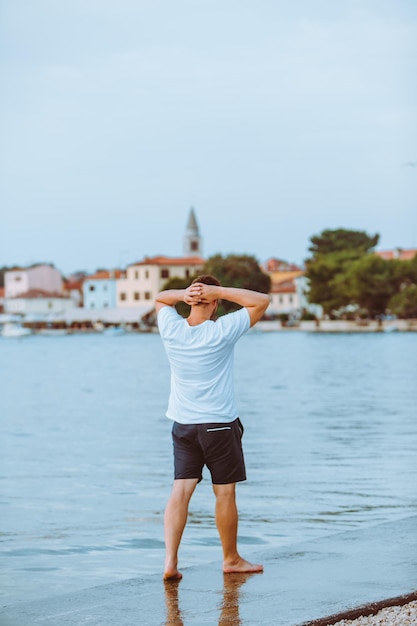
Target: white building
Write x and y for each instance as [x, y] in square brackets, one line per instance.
[285, 297]
[289, 289]
[44, 277]
[147, 278]
[37, 302]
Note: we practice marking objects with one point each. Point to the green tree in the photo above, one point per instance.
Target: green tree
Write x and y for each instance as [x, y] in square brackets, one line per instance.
[340, 240]
[406, 271]
[326, 280]
[333, 251]
[371, 282]
[404, 303]
[242, 271]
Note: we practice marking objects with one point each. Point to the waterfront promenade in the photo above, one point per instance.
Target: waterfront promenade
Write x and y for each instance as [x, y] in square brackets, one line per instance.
[316, 582]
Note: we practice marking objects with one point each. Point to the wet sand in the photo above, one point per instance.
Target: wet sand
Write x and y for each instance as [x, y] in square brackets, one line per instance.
[317, 582]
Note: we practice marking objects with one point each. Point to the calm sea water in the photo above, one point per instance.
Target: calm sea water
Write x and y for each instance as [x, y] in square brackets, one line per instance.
[85, 451]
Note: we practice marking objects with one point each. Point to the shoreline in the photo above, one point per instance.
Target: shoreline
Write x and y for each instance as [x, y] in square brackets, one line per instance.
[374, 613]
[264, 326]
[341, 326]
[323, 582]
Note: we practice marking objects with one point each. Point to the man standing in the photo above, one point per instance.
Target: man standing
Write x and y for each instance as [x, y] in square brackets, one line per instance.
[206, 429]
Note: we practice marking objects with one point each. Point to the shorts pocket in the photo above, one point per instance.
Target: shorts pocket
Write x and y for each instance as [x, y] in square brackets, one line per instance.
[241, 428]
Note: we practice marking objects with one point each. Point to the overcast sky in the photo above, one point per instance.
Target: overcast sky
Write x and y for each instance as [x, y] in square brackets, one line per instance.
[275, 119]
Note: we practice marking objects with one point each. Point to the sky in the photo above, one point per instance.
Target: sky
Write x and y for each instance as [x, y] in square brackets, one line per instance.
[275, 120]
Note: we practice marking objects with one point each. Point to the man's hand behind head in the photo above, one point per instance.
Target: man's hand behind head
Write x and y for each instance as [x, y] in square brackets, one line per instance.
[207, 293]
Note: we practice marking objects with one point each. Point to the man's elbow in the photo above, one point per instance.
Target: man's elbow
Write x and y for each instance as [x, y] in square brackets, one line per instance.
[257, 312]
[265, 302]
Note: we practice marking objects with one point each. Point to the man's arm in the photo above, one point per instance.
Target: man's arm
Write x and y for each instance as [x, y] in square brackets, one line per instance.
[255, 302]
[170, 297]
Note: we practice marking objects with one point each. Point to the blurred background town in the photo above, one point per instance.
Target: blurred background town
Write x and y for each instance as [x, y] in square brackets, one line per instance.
[344, 285]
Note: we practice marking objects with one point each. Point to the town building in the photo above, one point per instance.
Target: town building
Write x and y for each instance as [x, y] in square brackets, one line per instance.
[38, 303]
[398, 253]
[284, 299]
[286, 296]
[193, 243]
[35, 291]
[74, 290]
[73, 287]
[44, 277]
[100, 290]
[278, 265]
[288, 292]
[145, 279]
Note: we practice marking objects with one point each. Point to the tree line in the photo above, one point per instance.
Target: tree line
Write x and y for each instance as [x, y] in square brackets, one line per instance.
[344, 276]
[347, 278]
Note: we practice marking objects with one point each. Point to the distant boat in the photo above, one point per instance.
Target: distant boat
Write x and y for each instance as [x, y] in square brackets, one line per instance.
[392, 328]
[114, 330]
[14, 329]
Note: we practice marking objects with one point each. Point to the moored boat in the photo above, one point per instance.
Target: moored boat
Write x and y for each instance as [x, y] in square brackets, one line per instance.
[15, 329]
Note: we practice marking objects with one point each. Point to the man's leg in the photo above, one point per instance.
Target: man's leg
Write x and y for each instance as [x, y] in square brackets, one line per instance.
[227, 522]
[175, 518]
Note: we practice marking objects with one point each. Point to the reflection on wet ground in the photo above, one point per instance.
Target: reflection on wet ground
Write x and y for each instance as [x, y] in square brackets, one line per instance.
[229, 606]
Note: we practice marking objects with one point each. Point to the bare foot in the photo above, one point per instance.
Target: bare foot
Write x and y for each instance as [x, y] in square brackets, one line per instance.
[172, 574]
[240, 566]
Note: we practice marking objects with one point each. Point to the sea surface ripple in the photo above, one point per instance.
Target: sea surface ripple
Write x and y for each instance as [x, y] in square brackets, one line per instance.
[86, 455]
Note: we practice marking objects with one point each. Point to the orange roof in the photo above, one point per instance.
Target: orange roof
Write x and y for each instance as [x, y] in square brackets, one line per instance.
[278, 265]
[1, 292]
[37, 293]
[398, 253]
[70, 285]
[287, 286]
[166, 260]
[105, 274]
[282, 277]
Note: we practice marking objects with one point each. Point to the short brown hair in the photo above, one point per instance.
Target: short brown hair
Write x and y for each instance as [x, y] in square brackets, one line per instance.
[207, 279]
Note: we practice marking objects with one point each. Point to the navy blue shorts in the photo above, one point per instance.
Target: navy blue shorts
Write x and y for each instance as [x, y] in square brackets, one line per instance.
[217, 445]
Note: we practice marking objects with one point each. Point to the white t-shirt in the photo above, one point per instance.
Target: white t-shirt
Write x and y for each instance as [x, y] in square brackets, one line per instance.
[201, 359]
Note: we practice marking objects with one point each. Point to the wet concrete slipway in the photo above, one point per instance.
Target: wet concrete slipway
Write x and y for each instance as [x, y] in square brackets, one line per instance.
[302, 583]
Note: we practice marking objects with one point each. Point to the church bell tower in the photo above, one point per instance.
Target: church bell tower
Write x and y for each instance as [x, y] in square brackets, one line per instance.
[192, 238]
